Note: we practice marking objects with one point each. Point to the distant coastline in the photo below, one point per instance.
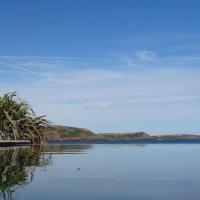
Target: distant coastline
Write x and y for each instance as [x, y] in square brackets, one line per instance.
[56, 134]
[74, 134]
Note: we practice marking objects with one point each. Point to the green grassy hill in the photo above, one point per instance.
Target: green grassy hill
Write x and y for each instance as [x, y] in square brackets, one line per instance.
[64, 133]
[125, 136]
[68, 133]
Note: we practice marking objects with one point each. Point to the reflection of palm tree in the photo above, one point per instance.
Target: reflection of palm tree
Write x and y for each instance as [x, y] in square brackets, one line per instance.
[17, 168]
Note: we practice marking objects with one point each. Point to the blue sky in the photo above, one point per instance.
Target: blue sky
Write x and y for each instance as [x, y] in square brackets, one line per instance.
[105, 65]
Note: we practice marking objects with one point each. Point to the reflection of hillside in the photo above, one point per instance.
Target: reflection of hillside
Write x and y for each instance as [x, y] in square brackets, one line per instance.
[17, 168]
[66, 149]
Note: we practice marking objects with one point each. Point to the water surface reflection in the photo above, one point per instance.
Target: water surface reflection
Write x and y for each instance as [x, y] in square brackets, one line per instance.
[17, 165]
[101, 172]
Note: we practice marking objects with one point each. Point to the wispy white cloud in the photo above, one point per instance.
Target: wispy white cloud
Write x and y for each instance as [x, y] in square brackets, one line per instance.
[146, 55]
[160, 90]
[19, 68]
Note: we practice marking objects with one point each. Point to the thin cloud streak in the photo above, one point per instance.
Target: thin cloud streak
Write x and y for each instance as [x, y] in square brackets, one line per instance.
[95, 98]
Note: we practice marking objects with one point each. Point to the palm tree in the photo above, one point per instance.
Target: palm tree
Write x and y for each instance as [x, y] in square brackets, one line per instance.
[18, 121]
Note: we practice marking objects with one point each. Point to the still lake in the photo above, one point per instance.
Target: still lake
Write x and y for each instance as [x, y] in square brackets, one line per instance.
[101, 172]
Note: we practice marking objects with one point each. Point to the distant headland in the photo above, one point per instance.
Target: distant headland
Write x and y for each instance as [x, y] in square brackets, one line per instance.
[65, 133]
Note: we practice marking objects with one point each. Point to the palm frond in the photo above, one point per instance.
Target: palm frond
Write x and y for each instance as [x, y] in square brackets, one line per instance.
[18, 121]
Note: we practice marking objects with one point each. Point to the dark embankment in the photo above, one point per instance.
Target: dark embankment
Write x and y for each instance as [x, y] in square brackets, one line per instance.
[176, 137]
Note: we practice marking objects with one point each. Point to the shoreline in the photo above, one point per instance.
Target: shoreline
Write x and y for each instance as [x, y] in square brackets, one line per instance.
[85, 142]
[7, 143]
[136, 141]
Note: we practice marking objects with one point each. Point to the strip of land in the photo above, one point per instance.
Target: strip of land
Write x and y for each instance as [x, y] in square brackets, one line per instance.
[66, 133]
[72, 134]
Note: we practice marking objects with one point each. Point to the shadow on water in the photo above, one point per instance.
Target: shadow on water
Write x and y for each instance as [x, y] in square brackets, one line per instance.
[18, 165]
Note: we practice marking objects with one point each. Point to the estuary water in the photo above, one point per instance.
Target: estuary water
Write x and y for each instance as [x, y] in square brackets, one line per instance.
[101, 172]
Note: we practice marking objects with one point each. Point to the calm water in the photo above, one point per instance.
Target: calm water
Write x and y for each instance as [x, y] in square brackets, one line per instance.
[101, 172]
